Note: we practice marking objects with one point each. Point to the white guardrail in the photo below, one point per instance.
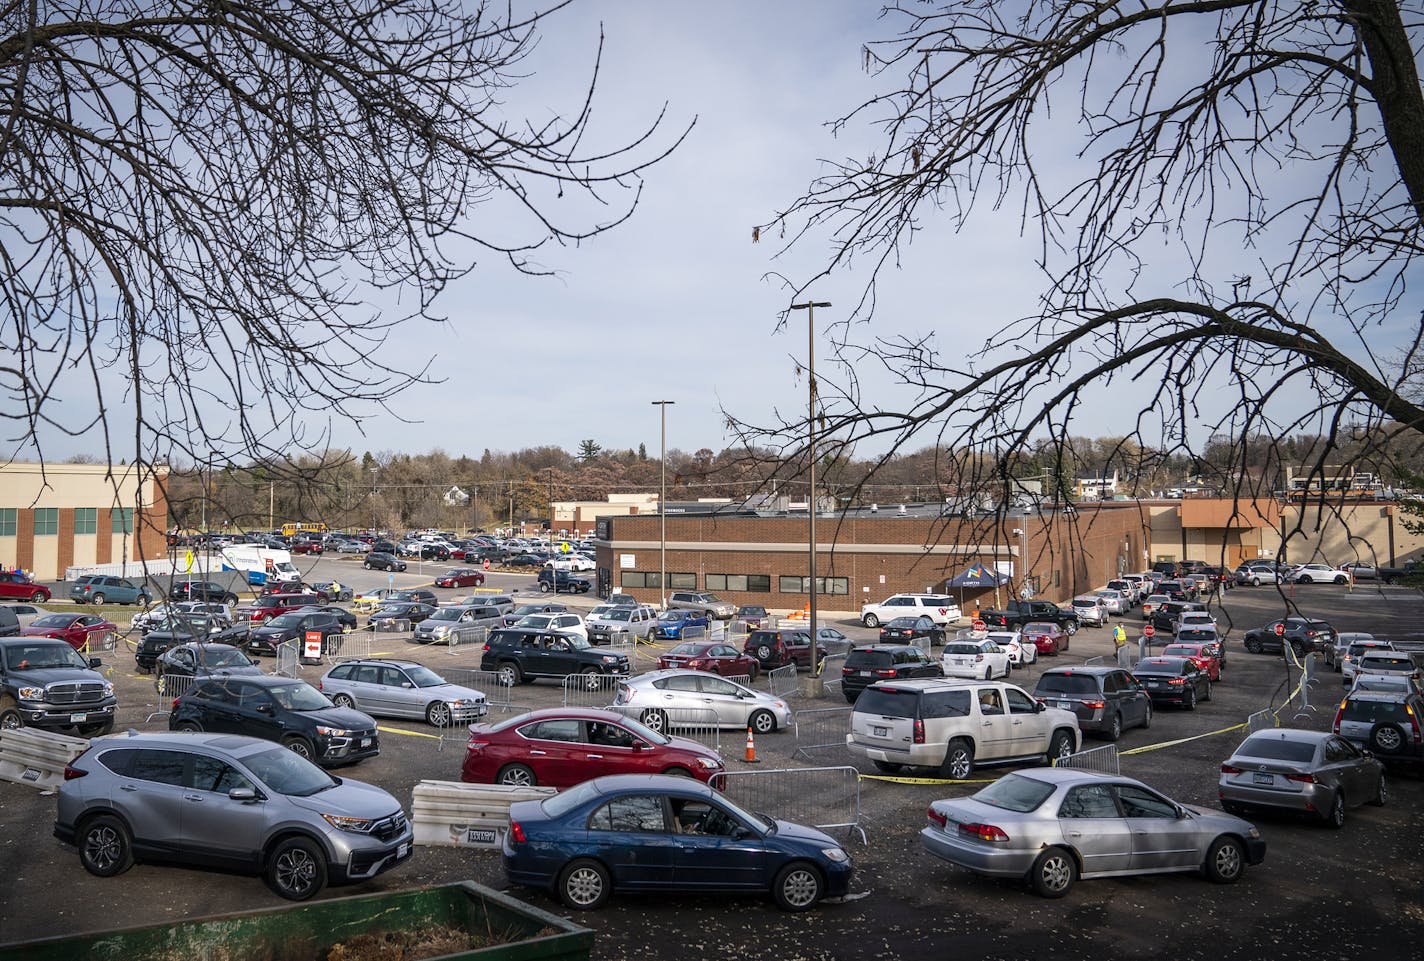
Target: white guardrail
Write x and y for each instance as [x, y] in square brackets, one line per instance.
[36, 757]
[452, 813]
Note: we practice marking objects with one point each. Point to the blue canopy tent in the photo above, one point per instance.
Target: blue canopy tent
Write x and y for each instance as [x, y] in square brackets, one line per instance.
[979, 578]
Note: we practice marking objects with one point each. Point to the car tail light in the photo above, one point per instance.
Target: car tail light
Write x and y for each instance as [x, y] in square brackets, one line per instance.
[978, 657]
[71, 772]
[1413, 722]
[886, 672]
[984, 832]
[1095, 705]
[486, 648]
[1178, 681]
[919, 732]
[1302, 778]
[847, 670]
[476, 746]
[516, 833]
[1229, 769]
[936, 817]
[1339, 714]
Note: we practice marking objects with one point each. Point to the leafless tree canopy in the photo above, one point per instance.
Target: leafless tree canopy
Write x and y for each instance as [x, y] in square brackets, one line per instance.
[1271, 152]
[199, 202]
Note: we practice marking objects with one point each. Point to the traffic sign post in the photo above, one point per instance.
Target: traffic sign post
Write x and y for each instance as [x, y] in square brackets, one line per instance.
[1144, 643]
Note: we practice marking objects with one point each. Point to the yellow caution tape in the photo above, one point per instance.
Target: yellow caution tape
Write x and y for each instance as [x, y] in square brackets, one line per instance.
[397, 730]
[1181, 740]
[921, 780]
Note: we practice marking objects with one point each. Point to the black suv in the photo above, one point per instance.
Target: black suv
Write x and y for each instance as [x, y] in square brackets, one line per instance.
[282, 709]
[884, 662]
[523, 656]
[381, 561]
[782, 646]
[201, 591]
[1106, 699]
[45, 683]
[180, 627]
[293, 626]
[1164, 618]
[562, 582]
[1305, 635]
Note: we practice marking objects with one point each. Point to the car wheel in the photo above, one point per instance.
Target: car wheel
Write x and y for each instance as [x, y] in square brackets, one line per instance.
[988, 673]
[188, 726]
[516, 775]
[887, 767]
[1053, 873]
[1114, 730]
[1334, 815]
[39, 597]
[1189, 702]
[1253, 645]
[367, 565]
[438, 714]
[1225, 861]
[105, 848]
[798, 887]
[297, 869]
[1340, 579]
[1147, 718]
[958, 760]
[543, 587]
[590, 678]
[654, 719]
[509, 674]
[1304, 579]
[763, 653]
[1255, 582]
[301, 747]
[762, 722]
[870, 620]
[10, 719]
[1070, 628]
[1387, 738]
[1060, 746]
[584, 885]
[97, 599]
[1381, 793]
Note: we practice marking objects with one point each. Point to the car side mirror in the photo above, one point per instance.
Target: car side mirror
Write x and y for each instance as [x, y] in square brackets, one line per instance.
[242, 794]
[1039, 707]
[95, 662]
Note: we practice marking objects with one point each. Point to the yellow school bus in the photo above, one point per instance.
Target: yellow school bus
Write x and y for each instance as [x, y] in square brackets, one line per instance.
[291, 529]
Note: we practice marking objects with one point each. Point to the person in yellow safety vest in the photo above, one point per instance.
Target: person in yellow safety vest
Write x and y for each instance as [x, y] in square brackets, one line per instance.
[1119, 637]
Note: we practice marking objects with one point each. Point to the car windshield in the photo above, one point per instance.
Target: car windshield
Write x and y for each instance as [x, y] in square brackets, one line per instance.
[1273, 747]
[671, 615]
[1014, 792]
[35, 657]
[1066, 684]
[54, 620]
[299, 697]
[224, 657]
[619, 614]
[286, 773]
[424, 676]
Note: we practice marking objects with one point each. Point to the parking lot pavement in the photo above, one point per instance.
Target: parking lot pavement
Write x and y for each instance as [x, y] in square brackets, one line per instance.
[1319, 894]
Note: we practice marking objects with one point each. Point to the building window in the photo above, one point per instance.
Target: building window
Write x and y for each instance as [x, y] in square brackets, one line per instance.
[790, 584]
[86, 520]
[8, 520]
[122, 520]
[745, 583]
[682, 581]
[46, 521]
[640, 579]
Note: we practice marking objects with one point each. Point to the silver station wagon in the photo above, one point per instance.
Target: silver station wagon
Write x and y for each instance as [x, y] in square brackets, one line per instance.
[402, 689]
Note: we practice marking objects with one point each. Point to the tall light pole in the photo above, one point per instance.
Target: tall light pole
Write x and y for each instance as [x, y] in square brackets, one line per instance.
[662, 498]
[810, 308]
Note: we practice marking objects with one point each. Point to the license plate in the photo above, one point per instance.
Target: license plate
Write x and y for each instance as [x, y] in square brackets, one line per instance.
[366, 742]
[78, 718]
[403, 850]
[1263, 778]
[864, 673]
[1066, 705]
[960, 661]
[480, 836]
[880, 731]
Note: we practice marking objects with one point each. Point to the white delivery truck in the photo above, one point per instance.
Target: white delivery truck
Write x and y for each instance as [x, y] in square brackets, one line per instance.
[261, 564]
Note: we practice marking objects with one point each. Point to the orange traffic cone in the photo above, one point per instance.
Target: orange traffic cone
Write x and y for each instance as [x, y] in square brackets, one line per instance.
[751, 757]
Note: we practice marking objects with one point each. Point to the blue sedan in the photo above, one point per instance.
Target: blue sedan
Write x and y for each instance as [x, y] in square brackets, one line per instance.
[671, 624]
[655, 832]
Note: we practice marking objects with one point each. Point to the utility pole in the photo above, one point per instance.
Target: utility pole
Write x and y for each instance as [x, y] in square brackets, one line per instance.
[662, 405]
[810, 308]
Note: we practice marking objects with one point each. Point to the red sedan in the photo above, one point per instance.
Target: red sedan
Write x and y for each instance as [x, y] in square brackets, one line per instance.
[711, 656]
[308, 547]
[1046, 636]
[76, 629]
[461, 577]
[561, 747]
[1204, 656]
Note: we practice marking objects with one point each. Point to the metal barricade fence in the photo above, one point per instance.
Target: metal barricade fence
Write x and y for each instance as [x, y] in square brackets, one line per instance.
[745, 680]
[781, 681]
[820, 728]
[831, 674]
[824, 797]
[288, 656]
[169, 687]
[390, 625]
[1127, 657]
[349, 646]
[625, 644]
[693, 632]
[498, 696]
[591, 690]
[102, 644]
[1101, 759]
[1262, 721]
[698, 723]
[1095, 661]
[463, 635]
[925, 643]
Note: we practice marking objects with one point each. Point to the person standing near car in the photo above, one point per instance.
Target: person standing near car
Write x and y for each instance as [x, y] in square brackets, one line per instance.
[1119, 637]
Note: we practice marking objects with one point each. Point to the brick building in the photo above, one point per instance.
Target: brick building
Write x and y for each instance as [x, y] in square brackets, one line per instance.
[867, 555]
[55, 516]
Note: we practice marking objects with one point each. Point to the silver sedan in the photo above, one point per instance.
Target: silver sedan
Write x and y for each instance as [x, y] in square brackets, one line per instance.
[1312, 772]
[1055, 825]
[402, 689]
[665, 700]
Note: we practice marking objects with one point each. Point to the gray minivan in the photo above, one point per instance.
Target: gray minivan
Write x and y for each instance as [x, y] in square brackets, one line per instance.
[102, 589]
[450, 625]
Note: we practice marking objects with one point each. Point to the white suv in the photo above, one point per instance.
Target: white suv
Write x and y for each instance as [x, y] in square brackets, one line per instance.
[1090, 610]
[609, 622]
[940, 609]
[954, 725]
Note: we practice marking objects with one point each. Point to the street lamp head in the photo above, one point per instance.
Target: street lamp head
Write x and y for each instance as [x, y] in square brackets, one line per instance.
[811, 303]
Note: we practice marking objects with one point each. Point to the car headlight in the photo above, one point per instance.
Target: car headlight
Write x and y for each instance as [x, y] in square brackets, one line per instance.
[354, 825]
[333, 732]
[441, 631]
[780, 704]
[835, 854]
[1254, 834]
[607, 659]
[108, 689]
[708, 764]
[32, 694]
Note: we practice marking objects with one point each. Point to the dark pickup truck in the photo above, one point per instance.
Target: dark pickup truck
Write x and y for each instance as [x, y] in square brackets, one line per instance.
[1369, 572]
[1018, 613]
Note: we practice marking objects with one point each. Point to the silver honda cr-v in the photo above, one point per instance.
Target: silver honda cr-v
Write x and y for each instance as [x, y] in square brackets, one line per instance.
[229, 801]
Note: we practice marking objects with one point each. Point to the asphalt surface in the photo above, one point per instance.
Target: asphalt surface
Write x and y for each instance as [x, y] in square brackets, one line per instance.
[1357, 892]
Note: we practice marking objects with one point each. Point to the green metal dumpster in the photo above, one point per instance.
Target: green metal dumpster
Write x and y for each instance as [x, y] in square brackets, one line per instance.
[501, 929]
